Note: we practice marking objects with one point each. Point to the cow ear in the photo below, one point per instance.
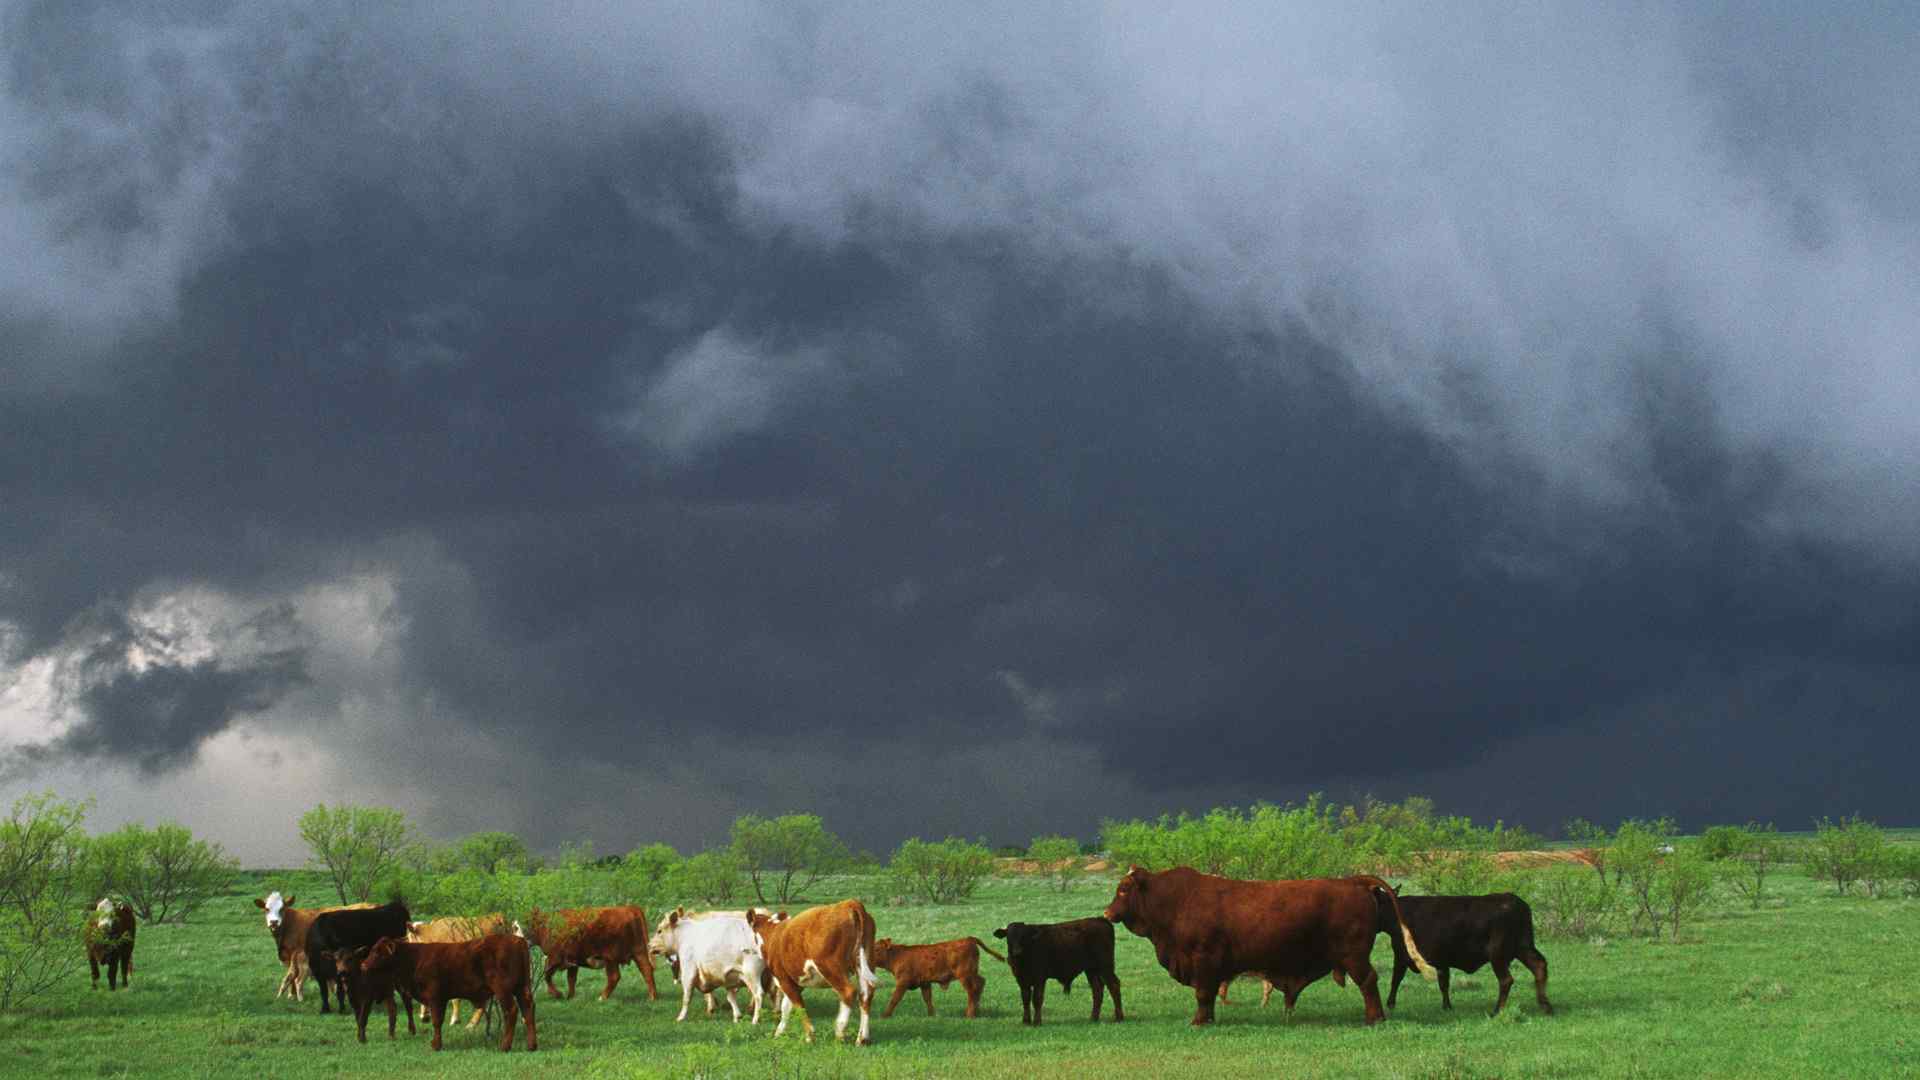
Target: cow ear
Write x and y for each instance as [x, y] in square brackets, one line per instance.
[288, 902]
[259, 903]
[1002, 932]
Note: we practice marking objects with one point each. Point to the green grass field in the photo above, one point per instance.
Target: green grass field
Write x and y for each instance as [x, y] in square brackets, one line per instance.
[1809, 985]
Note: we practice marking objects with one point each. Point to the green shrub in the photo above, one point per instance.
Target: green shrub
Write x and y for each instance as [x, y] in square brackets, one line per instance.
[1058, 856]
[1568, 902]
[1843, 851]
[1723, 842]
[357, 846]
[714, 877]
[163, 872]
[1758, 854]
[43, 881]
[941, 873]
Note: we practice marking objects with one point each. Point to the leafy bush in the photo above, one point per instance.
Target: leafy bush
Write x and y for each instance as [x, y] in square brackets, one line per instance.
[1570, 903]
[647, 874]
[1843, 851]
[1723, 842]
[1666, 883]
[1058, 856]
[163, 872]
[940, 873]
[492, 852]
[43, 878]
[1595, 840]
[786, 854]
[1266, 843]
[358, 846]
[712, 876]
[1759, 852]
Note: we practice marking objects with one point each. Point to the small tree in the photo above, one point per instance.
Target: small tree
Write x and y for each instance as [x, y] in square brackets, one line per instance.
[1058, 856]
[43, 876]
[1638, 848]
[356, 845]
[786, 854]
[713, 876]
[1757, 854]
[941, 873]
[1683, 887]
[164, 873]
[1843, 851]
[1570, 904]
[646, 872]
[492, 852]
[1594, 840]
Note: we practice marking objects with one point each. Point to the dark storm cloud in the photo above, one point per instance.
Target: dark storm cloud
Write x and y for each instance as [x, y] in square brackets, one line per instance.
[1232, 407]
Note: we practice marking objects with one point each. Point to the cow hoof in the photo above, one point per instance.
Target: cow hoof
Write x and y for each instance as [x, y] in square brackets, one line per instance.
[863, 1042]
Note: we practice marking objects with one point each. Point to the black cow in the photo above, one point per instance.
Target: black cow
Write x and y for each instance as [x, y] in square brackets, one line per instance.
[1041, 951]
[1465, 932]
[365, 990]
[334, 931]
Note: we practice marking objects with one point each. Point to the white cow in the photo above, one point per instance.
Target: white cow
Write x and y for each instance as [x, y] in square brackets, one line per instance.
[710, 951]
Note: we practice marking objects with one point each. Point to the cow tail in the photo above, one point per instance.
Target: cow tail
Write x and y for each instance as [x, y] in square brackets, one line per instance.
[1406, 934]
[988, 949]
[863, 929]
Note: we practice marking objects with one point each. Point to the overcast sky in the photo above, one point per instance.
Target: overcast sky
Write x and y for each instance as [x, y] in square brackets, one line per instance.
[600, 420]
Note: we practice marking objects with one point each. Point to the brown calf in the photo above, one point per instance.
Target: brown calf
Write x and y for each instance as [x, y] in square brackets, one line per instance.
[918, 967]
[364, 988]
[496, 968]
[824, 946]
[605, 937]
[457, 928]
[109, 937]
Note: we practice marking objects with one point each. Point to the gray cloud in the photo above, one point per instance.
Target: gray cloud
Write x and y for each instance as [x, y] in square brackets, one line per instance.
[1372, 391]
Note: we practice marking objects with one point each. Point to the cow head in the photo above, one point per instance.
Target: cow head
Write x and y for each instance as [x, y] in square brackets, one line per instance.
[275, 907]
[1016, 935]
[761, 923]
[666, 937]
[883, 953]
[379, 956]
[1127, 897]
[103, 912]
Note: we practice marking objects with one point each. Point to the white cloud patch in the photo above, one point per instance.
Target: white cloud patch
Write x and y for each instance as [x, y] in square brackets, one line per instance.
[718, 388]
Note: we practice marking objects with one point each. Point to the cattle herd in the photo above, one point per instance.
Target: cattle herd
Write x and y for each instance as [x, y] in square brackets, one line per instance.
[1205, 931]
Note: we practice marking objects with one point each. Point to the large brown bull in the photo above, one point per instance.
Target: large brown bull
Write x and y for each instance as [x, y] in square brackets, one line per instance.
[1207, 929]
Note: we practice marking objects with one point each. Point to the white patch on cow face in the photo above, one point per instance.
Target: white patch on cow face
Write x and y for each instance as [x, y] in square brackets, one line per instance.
[518, 931]
[105, 908]
[274, 906]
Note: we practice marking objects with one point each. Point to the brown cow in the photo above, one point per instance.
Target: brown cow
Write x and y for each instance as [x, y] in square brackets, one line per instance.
[824, 946]
[109, 939]
[920, 966]
[494, 968]
[457, 928]
[289, 926]
[1207, 929]
[604, 937]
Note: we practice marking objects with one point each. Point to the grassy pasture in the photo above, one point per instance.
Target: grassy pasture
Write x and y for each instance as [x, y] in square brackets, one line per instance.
[1810, 984]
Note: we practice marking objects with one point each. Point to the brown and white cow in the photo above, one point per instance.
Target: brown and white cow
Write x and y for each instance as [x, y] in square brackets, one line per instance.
[289, 926]
[604, 937]
[457, 928]
[919, 967]
[1207, 929]
[109, 939]
[495, 968]
[827, 946]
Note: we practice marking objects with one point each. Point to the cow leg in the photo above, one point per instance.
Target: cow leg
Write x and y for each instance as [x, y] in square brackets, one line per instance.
[573, 976]
[552, 966]
[525, 994]
[732, 1004]
[1289, 994]
[1446, 986]
[1039, 1000]
[1503, 971]
[361, 1010]
[1266, 994]
[393, 1017]
[1205, 989]
[1098, 987]
[613, 980]
[686, 998]
[1225, 984]
[406, 1006]
[899, 991]
[1113, 987]
[1537, 964]
[926, 994]
[476, 1015]
[439, 1008]
[1368, 980]
[758, 994]
[1026, 1004]
[974, 984]
[509, 1014]
[645, 964]
[1400, 968]
[94, 962]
